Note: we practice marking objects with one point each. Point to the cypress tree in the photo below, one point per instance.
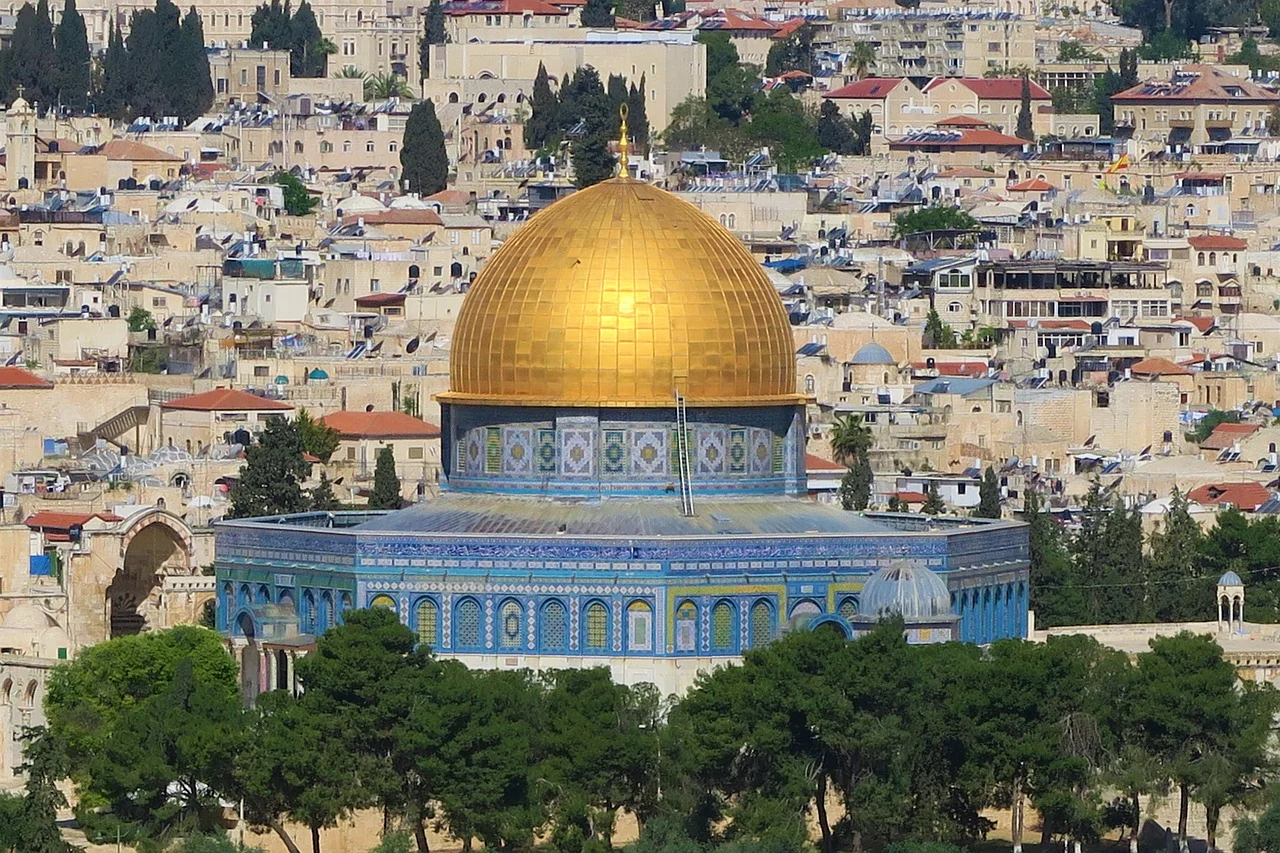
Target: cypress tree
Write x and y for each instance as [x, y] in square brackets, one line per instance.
[72, 44]
[617, 90]
[434, 24]
[322, 497]
[543, 120]
[45, 74]
[592, 162]
[834, 130]
[424, 165]
[154, 38]
[190, 86]
[269, 27]
[32, 56]
[114, 98]
[598, 14]
[933, 504]
[638, 118]
[988, 495]
[306, 44]
[271, 480]
[1025, 129]
[386, 485]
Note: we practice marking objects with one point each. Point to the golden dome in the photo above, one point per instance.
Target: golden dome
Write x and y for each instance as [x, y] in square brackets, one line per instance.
[616, 296]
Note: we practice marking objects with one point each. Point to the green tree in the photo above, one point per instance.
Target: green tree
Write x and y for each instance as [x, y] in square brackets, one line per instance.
[155, 37]
[271, 480]
[585, 100]
[1211, 421]
[721, 54]
[384, 86]
[269, 27]
[1178, 589]
[386, 485]
[433, 24]
[862, 57]
[213, 843]
[297, 201]
[74, 65]
[31, 56]
[1074, 51]
[638, 118]
[936, 218]
[1025, 129]
[937, 334]
[1105, 552]
[30, 823]
[598, 14]
[1056, 598]
[140, 319]
[424, 165]
[543, 121]
[835, 133]
[285, 769]
[794, 53]
[988, 495]
[308, 48]
[933, 504]
[114, 99]
[322, 498]
[1258, 835]
[850, 438]
[855, 486]
[318, 438]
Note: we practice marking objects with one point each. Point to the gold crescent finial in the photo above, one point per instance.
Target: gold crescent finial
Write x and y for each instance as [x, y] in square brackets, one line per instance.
[624, 144]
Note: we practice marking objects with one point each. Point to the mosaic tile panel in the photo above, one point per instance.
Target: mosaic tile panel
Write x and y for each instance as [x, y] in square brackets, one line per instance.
[649, 452]
[614, 455]
[475, 452]
[577, 452]
[737, 451]
[761, 452]
[546, 462]
[711, 452]
[517, 451]
[777, 454]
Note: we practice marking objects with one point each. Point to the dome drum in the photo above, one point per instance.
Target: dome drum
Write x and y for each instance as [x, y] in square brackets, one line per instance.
[592, 452]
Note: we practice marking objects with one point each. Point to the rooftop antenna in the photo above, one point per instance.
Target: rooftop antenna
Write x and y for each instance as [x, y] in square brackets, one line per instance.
[624, 145]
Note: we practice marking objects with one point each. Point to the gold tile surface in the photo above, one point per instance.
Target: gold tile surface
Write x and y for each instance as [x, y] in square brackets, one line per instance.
[615, 296]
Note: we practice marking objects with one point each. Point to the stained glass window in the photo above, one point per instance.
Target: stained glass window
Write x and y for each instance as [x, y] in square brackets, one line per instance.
[849, 607]
[639, 626]
[383, 601]
[512, 617]
[469, 623]
[308, 612]
[687, 627]
[428, 622]
[554, 631]
[761, 624]
[597, 626]
[722, 626]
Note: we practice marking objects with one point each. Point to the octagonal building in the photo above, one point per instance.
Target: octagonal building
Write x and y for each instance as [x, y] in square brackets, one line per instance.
[623, 449]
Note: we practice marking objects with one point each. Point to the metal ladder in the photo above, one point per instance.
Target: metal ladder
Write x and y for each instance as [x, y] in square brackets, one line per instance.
[682, 450]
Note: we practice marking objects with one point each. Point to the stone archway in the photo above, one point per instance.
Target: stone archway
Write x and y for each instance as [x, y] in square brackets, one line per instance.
[153, 550]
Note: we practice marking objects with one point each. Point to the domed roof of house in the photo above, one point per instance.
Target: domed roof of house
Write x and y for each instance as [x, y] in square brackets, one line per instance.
[872, 353]
[912, 591]
[1230, 579]
[618, 295]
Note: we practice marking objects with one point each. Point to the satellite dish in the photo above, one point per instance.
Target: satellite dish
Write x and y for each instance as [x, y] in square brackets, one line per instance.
[412, 346]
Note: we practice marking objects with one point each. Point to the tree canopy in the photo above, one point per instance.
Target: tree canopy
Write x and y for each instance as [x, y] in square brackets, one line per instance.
[424, 164]
[271, 480]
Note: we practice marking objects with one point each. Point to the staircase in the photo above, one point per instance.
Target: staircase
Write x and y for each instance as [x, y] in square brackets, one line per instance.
[115, 429]
[682, 451]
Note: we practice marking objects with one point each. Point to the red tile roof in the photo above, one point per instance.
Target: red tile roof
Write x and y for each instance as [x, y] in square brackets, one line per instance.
[872, 87]
[1224, 435]
[789, 27]
[127, 149]
[963, 121]
[1158, 367]
[994, 88]
[377, 300]
[380, 425]
[396, 216]
[17, 377]
[911, 497]
[1218, 241]
[227, 400]
[1035, 185]
[1245, 496]
[62, 521]
[1204, 324]
[954, 368]
[1195, 84]
[817, 463]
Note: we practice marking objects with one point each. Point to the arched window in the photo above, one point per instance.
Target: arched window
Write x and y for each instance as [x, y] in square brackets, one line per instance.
[810, 384]
[428, 617]
[722, 627]
[308, 612]
[39, 238]
[264, 594]
[243, 597]
[326, 612]
[733, 220]
[415, 271]
[383, 601]
[344, 604]
[639, 627]
[1018, 418]
[467, 624]
[687, 627]
[849, 607]
[286, 598]
[297, 148]
[554, 625]
[761, 624]
[511, 624]
[1213, 258]
[597, 626]
[954, 307]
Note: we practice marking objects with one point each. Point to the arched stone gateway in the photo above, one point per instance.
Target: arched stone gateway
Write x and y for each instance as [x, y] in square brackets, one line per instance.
[156, 546]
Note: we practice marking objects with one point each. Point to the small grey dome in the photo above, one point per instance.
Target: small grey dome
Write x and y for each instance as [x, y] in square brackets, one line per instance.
[1230, 579]
[873, 353]
[913, 591]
